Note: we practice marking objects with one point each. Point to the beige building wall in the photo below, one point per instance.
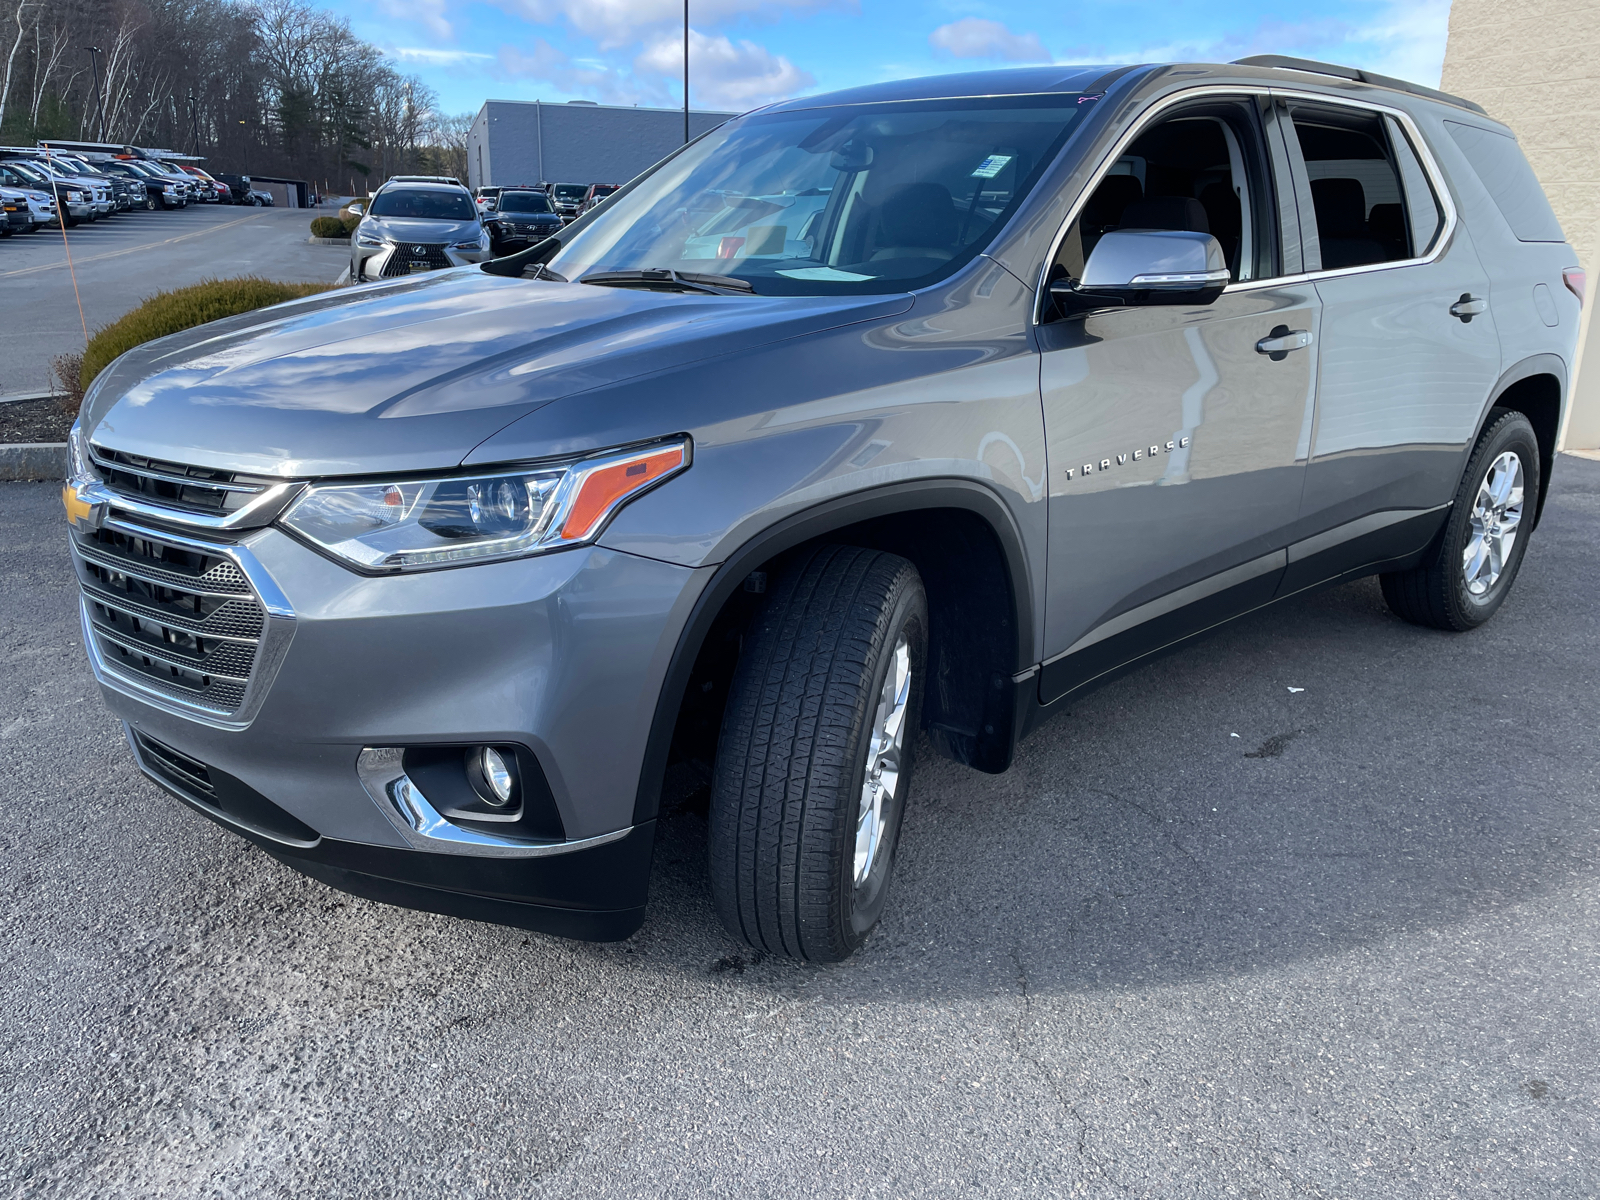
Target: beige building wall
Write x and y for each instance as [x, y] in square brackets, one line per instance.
[1535, 64]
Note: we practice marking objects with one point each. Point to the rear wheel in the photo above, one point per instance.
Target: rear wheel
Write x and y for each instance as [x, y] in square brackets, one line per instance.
[1467, 580]
[814, 762]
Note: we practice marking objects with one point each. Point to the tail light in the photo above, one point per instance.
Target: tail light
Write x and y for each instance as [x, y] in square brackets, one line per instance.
[1576, 279]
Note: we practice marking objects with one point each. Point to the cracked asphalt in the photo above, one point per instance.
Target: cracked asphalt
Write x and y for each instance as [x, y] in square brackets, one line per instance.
[1352, 951]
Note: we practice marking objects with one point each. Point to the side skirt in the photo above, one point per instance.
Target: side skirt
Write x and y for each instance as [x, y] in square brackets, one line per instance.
[1371, 545]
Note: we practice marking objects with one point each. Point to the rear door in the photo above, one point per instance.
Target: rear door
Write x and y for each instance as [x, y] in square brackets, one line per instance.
[1176, 447]
[1409, 347]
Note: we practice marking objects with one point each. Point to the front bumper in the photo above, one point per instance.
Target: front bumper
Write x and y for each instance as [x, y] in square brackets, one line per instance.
[394, 259]
[560, 654]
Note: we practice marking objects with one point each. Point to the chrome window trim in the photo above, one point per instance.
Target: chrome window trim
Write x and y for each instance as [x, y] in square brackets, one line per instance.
[277, 629]
[1419, 145]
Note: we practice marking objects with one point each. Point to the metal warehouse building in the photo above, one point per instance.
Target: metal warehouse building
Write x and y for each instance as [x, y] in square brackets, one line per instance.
[528, 141]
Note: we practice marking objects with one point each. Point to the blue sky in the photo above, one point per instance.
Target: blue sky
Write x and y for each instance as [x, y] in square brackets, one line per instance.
[748, 52]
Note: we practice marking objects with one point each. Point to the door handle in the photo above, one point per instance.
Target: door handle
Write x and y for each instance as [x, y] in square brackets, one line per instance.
[1277, 344]
[1467, 307]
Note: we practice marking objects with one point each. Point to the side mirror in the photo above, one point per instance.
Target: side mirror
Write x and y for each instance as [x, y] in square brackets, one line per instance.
[1146, 266]
[358, 210]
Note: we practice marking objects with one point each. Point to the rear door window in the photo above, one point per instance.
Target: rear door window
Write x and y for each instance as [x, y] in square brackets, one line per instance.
[1423, 215]
[1359, 205]
[1500, 165]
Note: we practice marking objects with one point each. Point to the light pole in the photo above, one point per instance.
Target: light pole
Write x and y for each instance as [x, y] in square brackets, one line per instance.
[194, 126]
[685, 72]
[99, 103]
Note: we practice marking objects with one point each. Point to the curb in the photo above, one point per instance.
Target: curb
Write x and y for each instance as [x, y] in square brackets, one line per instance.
[316, 241]
[19, 397]
[33, 461]
[344, 278]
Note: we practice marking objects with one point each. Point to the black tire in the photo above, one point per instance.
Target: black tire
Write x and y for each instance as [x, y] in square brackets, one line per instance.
[792, 761]
[1437, 594]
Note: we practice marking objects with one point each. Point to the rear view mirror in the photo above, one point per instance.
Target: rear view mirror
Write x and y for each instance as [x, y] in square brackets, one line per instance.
[854, 155]
[1147, 266]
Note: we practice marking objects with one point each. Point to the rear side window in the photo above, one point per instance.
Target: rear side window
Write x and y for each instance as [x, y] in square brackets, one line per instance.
[1505, 173]
[1423, 213]
[1359, 204]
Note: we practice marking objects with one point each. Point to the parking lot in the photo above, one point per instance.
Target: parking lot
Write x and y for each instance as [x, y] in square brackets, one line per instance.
[1212, 936]
[120, 260]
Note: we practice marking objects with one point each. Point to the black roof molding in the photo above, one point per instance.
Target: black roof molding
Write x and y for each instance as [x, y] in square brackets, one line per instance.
[1284, 62]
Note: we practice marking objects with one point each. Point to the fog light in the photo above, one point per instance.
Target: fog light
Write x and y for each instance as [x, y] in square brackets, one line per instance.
[498, 780]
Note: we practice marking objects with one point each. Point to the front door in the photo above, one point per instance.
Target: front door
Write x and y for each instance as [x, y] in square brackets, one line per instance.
[1177, 435]
[1409, 348]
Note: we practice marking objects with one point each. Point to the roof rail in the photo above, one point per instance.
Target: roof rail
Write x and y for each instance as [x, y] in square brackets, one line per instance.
[1284, 62]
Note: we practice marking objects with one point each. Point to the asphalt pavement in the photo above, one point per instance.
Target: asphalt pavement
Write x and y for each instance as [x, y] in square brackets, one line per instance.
[1306, 910]
[121, 260]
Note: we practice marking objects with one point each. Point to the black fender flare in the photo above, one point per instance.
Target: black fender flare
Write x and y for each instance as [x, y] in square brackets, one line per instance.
[791, 531]
[1534, 364]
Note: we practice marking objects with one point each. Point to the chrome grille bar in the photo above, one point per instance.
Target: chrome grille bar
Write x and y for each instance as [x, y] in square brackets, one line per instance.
[193, 626]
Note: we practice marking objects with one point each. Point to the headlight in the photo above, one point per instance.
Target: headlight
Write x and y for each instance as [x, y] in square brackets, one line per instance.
[369, 239]
[416, 524]
[475, 244]
[79, 468]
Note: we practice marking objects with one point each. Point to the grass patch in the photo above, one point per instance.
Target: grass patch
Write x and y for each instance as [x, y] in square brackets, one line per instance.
[184, 308]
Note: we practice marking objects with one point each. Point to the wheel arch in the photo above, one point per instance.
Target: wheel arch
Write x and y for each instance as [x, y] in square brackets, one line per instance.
[1537, 388]
[971, 566]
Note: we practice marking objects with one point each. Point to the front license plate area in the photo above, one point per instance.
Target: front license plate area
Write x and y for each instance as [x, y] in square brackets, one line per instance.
[420, 266]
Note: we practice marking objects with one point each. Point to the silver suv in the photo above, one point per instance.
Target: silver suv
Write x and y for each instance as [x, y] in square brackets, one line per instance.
[915, 409]
[414, 225]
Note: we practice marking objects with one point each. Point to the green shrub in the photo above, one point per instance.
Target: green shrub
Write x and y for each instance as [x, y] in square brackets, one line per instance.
[184, 308]
[350, 223]
[329, 227]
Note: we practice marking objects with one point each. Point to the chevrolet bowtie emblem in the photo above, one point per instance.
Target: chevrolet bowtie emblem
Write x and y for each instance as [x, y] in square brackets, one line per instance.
[81, 513]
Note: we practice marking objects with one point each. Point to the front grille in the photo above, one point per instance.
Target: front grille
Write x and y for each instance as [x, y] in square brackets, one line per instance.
[406, 253]
[176, 485]
[181, 621]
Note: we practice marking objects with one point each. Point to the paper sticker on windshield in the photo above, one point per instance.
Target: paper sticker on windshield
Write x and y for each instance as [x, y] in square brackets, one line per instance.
[825, 275]
[991, 166]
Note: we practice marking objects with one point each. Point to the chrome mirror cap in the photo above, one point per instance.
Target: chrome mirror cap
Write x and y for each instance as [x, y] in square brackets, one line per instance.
[1157, 259]
[1147, 266]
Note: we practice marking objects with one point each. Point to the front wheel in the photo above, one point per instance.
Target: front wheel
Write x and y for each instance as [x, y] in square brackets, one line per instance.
[814, 762]
[1481, 550]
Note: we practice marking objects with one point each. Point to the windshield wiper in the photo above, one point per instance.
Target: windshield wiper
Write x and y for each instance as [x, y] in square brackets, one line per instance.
[664, 278]
[540, 271]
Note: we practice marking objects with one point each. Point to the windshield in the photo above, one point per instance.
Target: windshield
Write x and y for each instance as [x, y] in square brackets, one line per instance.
[424, 204]
[859, 198]
[524, 202]
[570, 191]
[29, 171]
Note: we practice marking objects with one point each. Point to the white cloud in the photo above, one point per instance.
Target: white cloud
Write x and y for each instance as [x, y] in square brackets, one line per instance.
[1406, 39]
[724, 73]
[544, 62]
[973, 37]
[436, 58]
[1408, 42]
[615, 23]
[430, 14]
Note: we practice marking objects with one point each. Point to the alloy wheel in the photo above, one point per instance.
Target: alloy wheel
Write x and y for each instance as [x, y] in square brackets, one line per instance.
[1495, 523]
[875, 822]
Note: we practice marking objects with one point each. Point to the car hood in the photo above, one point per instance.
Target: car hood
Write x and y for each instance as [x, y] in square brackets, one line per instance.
[420, 229]
[411, 376]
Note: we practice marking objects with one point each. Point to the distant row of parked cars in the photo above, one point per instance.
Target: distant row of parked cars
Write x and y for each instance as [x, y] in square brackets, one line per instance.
[569, 201]
[40, 187]
[417, 223]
